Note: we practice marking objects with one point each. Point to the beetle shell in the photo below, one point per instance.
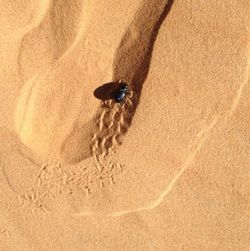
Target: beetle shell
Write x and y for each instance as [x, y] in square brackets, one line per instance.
[121, 93]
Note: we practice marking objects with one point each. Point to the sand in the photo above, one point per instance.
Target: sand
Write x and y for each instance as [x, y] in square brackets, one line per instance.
[167, 169]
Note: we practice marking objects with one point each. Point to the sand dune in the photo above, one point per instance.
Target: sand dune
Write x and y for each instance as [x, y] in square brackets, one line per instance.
[167, 169]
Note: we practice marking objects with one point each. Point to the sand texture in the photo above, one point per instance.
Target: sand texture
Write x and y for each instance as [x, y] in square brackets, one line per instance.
[168, 168]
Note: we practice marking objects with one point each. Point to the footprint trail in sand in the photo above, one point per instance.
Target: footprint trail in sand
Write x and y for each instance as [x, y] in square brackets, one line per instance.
[112, 124]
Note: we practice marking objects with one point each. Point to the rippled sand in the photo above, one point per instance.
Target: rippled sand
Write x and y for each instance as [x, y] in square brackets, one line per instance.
[168, 169]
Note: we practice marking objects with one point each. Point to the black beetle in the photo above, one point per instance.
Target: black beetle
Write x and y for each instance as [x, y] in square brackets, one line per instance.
[120, 94]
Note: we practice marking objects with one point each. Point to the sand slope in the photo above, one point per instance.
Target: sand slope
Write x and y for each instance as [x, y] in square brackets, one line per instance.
[167, 169]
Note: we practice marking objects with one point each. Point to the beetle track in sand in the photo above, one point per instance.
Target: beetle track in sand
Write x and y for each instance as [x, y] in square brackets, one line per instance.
[113, 122]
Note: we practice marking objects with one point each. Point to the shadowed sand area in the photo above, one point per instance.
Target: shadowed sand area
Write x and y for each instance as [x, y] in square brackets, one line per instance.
[167, 169]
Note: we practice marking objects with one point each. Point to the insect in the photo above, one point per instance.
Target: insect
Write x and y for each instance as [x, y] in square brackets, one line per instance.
[121, 93]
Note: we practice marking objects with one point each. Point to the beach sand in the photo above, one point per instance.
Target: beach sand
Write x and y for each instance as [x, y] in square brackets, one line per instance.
[168, 168]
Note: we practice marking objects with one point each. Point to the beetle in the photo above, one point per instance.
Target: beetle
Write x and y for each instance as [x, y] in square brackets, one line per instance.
[121, 92]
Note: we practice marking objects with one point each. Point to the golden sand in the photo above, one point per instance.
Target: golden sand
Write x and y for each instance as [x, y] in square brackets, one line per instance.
[167, 169]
